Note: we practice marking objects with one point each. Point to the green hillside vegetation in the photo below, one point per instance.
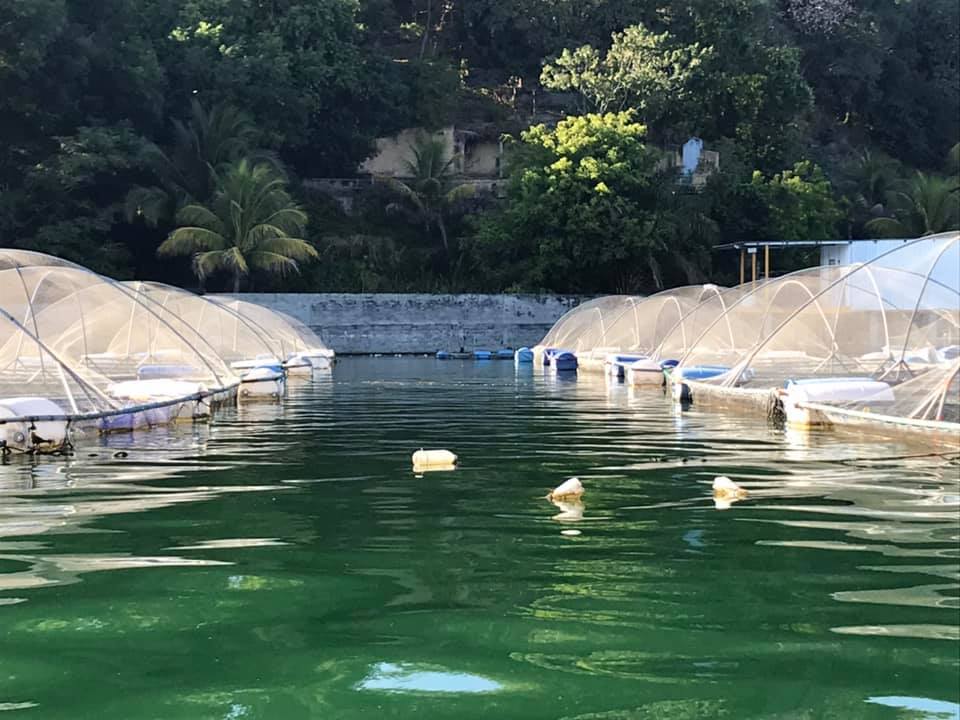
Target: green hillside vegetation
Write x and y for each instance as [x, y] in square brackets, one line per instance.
[128, 127]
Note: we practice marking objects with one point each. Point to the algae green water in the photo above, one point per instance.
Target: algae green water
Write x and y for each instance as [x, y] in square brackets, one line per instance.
[285, 562]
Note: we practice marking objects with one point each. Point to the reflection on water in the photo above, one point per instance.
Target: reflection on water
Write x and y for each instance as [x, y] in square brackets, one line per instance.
[924, 708]
[403, 677]
[284, 562]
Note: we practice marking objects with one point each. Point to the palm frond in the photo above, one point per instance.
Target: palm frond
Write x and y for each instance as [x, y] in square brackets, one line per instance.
[190, 240]
[404, 191]
[206, 264]
[291, 219]
[888, 227]
[295, 248]
[459, 193]
[273, 262]
[200, 216]
[235, 260]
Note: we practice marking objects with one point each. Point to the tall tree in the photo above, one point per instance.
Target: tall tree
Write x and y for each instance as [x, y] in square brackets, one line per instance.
[648, 71]
[186, 173]
[252, 224]
[923, 205]
[581, 210]
[429, 191]
[801, 203]
[866, 183]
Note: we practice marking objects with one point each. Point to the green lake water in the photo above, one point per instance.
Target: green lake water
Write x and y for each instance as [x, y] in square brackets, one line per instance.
[284, 562]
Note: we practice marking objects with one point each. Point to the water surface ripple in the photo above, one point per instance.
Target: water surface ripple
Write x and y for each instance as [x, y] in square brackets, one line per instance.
[285, 562]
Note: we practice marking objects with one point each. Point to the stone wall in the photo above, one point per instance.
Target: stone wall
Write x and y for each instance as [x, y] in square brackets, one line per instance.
[395, 323]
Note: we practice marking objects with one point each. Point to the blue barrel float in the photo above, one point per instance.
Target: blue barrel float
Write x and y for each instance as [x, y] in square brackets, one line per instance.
[443, 355]
[523, 355]
[564, 361]
[482, 354]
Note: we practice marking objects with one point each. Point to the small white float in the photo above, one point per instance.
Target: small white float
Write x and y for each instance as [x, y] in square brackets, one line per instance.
[645, 373]
[297, 365]
[433, 460]
[191, 404]
[726, 492]
[318, 358]
[616, 364]
[262, 377]
[567, 490]
[571, 510]
[47, 435]
[830, 391]
[262, 382]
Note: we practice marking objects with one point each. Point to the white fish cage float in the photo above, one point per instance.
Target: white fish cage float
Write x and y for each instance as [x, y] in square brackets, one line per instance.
[870, 347]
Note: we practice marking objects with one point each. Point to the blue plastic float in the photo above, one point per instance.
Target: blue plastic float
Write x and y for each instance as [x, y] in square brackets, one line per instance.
[523, 355]
[564, 361]
[166, 372]
[701, 372]
[505, 354]
[481, 354]
[443, 355]
[705, 372]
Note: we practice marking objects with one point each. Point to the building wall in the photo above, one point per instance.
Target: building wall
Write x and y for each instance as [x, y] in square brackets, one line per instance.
[860, 251]
[481, 159]
[474, 159]
[394, 153]
[410, 323]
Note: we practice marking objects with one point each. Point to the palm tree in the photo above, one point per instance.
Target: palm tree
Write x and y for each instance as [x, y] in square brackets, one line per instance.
[251, 223]
[427, 192]
[869, 179]
[924, 205]
[205, 142]
[953, 160]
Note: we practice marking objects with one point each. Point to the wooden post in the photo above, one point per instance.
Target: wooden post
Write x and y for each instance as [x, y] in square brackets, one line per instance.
[766, 262]
[753, 262]
[742, 277]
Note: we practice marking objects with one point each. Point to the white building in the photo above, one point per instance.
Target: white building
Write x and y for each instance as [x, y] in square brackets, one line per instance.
[839, 252]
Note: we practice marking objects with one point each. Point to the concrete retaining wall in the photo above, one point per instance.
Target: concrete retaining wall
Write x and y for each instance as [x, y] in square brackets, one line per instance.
[401, 323]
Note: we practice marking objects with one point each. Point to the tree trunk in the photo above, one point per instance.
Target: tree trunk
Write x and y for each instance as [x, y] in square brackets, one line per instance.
[426, 29]
[443, 234]
[236, 282]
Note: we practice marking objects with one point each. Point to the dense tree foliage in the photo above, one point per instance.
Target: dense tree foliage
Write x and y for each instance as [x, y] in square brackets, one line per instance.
[251, 223]
[581, 208]
[833, 118]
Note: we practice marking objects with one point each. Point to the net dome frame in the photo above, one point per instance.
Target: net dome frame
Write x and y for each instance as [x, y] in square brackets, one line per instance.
[78, 342]
[873, 338]
[624, 324]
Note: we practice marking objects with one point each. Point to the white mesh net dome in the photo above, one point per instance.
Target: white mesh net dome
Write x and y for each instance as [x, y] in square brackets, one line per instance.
[625, 323]
[882, 337]
[227, 333]
[87, 345]
[284, 338]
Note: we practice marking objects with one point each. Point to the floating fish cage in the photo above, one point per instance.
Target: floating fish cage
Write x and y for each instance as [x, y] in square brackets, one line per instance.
[608, 334]
[81, 354]
[871, 346]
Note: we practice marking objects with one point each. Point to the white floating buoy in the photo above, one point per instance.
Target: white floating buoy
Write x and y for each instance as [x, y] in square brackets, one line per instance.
[571, 488]
[571, 510]
[570, 533]
[425, 460]
[726, 492]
